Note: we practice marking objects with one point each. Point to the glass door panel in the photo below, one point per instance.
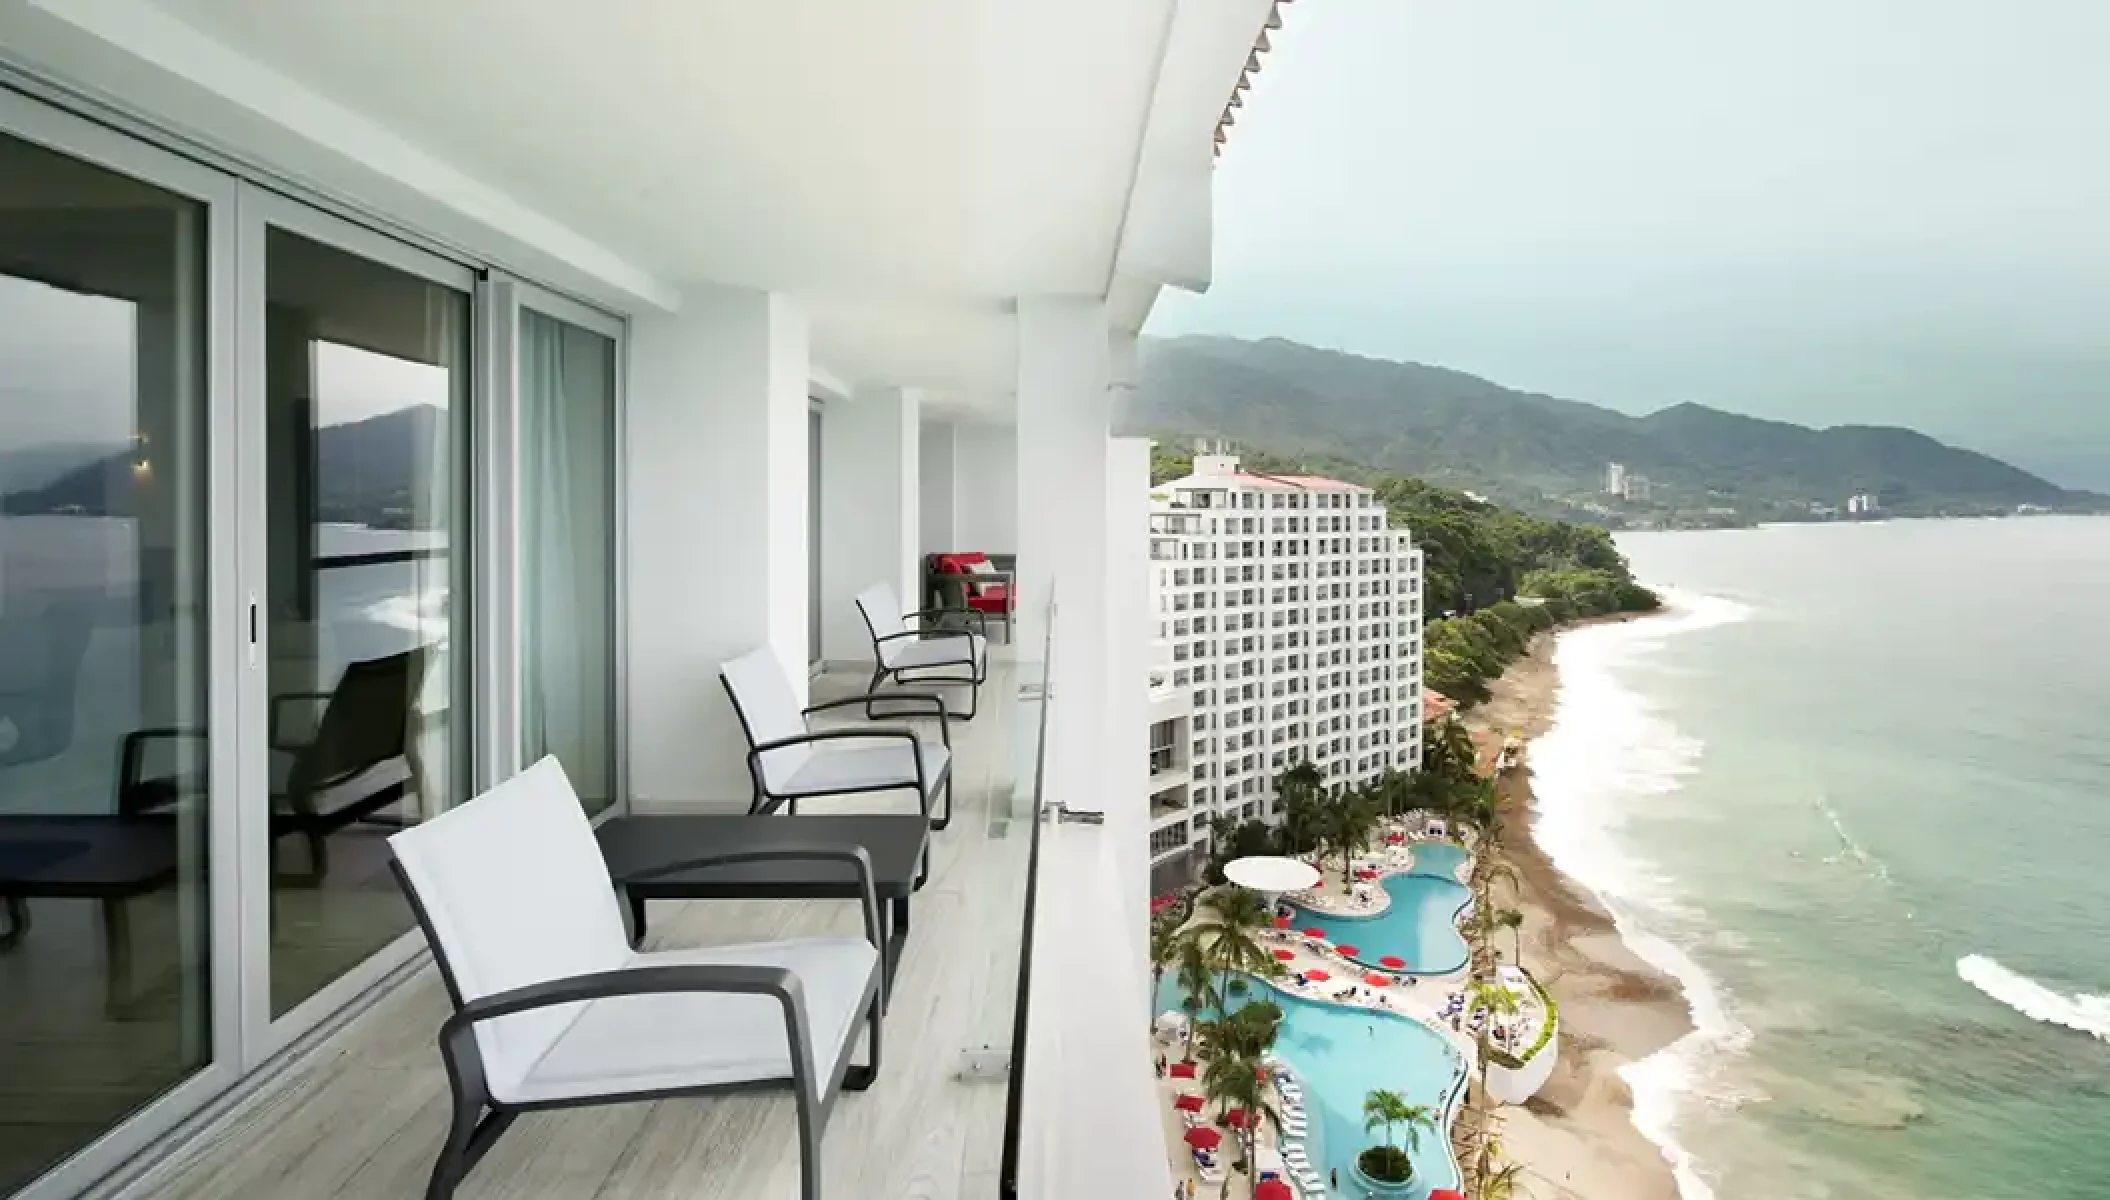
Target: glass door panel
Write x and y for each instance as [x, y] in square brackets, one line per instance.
[365, 396]
[105, 927]
[567, 381]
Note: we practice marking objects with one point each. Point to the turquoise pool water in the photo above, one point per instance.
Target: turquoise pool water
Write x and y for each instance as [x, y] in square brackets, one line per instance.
[1421, 926]
[1343, 1054]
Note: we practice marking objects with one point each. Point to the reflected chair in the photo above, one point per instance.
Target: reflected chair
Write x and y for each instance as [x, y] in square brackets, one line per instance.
[554, 1009]
[360, 759]
[789, 762]
[908, 651]
[40, 671]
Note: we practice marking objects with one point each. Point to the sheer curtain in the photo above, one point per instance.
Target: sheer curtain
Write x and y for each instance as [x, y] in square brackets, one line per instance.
[567, 407]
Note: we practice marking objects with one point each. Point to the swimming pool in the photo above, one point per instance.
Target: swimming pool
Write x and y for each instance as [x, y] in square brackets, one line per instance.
[1341, 1055]
[1421, 926]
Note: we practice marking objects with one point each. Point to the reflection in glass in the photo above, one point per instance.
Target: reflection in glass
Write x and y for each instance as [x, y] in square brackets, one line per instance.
[366, 383]
[567, 496]
[104, 925]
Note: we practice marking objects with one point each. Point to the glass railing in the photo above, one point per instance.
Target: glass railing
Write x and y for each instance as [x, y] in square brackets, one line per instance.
[1026, 802]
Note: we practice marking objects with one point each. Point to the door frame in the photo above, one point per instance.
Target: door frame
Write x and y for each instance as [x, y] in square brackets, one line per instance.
[31, 120]
[257, 211]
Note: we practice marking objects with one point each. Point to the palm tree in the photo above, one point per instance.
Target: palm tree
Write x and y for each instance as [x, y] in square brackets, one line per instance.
[1513, 921]
[1350, 819]
[1165, 945]
[1390, 1110]
[1447, 749]
[1236, 1083]
[1248, 1033]
[1228, 936]
[1501, 1184]
[1197, 978]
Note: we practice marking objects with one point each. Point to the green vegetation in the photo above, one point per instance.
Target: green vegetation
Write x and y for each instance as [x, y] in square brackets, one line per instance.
[1546, 455]
[1515, 1061]
[1388, 1162]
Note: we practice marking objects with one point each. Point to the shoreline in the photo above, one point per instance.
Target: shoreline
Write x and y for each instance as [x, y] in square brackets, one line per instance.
[1576, 1138]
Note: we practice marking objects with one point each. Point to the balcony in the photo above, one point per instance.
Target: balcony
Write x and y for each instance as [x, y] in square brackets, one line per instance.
[362, 1117]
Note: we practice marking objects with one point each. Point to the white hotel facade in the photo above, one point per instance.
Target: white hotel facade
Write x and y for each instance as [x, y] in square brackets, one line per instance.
[1289, 611]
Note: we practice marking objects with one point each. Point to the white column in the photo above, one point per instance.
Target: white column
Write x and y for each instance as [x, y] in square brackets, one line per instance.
[1061, 512]
[1126, 781]
[871, 445]
[716, 483]
[934, 461]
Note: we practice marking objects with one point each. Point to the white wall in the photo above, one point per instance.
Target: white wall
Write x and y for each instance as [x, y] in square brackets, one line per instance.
[870, 493]
[1515, 1087]
[1126, 776]
[935, 461]
[985, 489]
[717, 491]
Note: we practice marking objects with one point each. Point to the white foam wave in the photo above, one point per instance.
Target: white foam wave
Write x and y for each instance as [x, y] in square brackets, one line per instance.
[2081, 1012]
[1849, 849]
[1609, 751]
[423, 613]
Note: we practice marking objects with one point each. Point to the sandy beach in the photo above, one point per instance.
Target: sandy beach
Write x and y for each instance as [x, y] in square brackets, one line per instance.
[1576, 1138]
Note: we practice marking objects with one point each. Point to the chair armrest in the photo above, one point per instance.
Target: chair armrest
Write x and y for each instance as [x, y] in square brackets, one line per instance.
[978, 616]
[933, 699]
[926, 634]
[465, 1062]
[133, 746]
[278, 703]
[848, 852]
[756, 751]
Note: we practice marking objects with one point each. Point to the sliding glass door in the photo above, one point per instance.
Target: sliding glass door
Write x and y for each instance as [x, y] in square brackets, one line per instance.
[357, 393]
[115, 740]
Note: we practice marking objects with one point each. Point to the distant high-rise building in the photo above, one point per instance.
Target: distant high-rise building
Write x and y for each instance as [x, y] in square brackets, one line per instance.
[1615, 479]
[1637, 488]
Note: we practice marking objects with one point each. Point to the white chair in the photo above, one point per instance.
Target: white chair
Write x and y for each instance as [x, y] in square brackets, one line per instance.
[553, 1009]
[788, 761]
[909, 652]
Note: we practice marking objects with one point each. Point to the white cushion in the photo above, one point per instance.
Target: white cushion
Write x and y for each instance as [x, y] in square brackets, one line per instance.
[699, 1039]
[836, 766]
[882, 611]
[982, 568]
[762, 690]
[517, 893]
[930, 654]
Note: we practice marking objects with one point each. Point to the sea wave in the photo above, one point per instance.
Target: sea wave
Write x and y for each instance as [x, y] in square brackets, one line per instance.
[1607, 753]
[2081, 1012]
[1851, 850]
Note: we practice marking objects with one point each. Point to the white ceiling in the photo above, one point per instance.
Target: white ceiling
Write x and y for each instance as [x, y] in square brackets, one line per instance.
[905, 167]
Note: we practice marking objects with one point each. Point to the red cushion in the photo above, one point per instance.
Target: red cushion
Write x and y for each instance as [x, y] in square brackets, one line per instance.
[990, 598]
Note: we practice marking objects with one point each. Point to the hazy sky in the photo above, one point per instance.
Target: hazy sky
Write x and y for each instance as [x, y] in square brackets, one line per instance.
[1822, 210]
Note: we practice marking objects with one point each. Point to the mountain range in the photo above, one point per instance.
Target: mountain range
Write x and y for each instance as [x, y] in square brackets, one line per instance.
[1549, 455]
[369, 472]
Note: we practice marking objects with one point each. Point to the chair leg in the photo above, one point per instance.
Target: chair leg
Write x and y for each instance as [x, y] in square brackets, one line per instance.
[472, 1130]
[856, 1078]
[17, 922]
[944, 817]
[878, 677]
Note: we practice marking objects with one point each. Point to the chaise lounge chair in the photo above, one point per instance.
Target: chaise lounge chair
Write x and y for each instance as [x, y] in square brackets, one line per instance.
[789, 762]
[911, 652]
[553, 1009]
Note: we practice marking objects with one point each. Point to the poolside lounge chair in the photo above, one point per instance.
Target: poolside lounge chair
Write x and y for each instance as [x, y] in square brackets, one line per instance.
[788, 762]
[553, 1009]
[908, 651]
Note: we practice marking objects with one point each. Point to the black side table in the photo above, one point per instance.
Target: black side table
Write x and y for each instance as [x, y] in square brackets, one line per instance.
[635, 846]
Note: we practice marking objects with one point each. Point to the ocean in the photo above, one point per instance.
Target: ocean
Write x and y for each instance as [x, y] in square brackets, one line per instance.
[1854, 792]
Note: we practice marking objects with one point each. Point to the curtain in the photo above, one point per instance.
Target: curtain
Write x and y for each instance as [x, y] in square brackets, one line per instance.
[567, 407]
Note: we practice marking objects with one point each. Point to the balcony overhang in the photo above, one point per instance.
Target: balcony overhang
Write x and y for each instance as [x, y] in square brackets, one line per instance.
[905, 170]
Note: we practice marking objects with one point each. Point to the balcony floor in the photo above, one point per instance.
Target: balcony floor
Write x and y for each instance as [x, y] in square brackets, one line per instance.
[362, 1119]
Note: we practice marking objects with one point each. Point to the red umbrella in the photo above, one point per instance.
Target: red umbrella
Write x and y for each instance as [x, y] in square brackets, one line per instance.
[1201, 1137]
[1315, 932]
[1349, 951]
[1317, 974]
[1446, 1194]
[1272, 1189]
[1395, 838]
[1376, 980]
[1237, 1118]
[1285, 955]
[1181, 1070]
[1393, 961]
[1282, 922]
[1188, 1102]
